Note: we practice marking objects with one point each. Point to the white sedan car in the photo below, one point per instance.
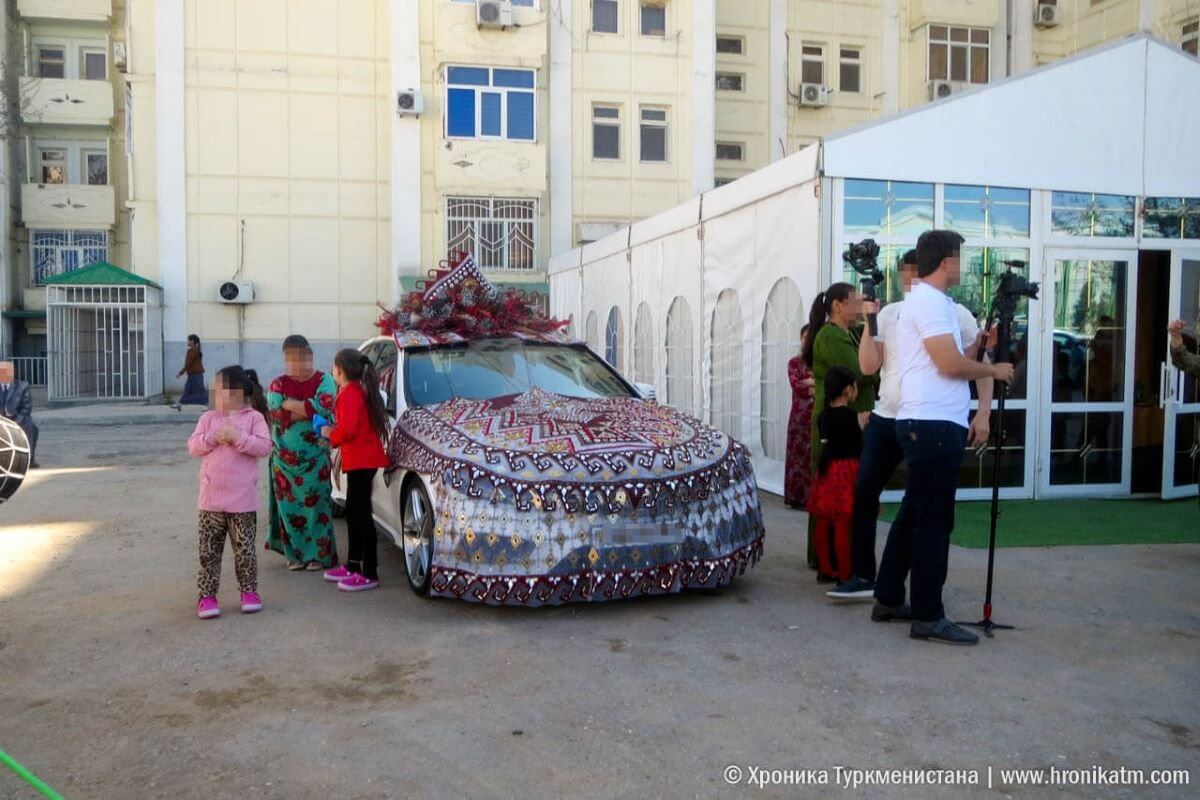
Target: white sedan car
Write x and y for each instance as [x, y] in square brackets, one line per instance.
[529, 472]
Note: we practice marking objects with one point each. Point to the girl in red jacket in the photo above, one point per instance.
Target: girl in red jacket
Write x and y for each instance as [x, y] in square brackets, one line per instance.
[361, 423]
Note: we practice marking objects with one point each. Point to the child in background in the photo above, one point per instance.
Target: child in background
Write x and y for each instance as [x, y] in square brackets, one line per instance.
[230, 440]
[831, 502]
[361, 425]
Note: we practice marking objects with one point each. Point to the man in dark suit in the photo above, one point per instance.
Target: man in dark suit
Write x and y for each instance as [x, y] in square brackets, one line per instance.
[16, 403]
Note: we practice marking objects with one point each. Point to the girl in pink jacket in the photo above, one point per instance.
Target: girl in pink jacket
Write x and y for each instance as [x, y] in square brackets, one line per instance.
[230, 440]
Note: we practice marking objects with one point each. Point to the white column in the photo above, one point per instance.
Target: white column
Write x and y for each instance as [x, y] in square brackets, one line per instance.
[170, 154]
[704, 94]
[562, 111]
[890, 68]
[777, 83]
[1021, 25]
[406, 146]
[1146, 15]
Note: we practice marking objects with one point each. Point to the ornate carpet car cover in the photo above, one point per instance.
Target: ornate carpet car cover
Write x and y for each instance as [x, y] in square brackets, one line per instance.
[546, 499]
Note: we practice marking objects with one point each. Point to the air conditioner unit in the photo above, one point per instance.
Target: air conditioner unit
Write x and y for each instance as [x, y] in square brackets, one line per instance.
[410, 103]
[493, 13]
[940, 89]
[813, 95]
[237, 292]
[120, 56]
[1046, 15]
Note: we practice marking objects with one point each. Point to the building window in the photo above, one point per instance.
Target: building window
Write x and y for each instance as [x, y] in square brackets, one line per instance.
[51, 61]
[606, 132]
[730, 81]
[719, 182]
[53, 165]
[731, 151]
[71, 59]
[500, 232]
[490, 103]
[1079, 214]
[654, 20]
[654, 134]
[958, 54]
[812, 64]
[1171, 218]
[1190, 36]
[731, 45]
[95, 167]
[56, 252]
[850, 70]
[604, 16]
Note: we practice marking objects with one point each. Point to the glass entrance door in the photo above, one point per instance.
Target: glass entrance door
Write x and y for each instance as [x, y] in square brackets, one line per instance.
[1180, 393]
[1087, 372]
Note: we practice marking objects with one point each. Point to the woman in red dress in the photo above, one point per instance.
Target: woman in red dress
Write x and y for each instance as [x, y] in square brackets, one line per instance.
[798, 465]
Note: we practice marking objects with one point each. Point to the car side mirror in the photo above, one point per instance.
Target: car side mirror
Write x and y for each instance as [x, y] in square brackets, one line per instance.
[646, 391]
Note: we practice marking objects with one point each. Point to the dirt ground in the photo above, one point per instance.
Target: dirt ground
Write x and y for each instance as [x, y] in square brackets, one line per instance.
[110, 688]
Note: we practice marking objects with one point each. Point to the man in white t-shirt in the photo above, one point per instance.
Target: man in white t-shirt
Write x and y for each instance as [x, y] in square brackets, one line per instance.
[931, 428]
[881, 452]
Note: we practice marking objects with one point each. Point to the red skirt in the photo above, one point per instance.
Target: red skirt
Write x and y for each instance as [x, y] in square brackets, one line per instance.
[832, 494]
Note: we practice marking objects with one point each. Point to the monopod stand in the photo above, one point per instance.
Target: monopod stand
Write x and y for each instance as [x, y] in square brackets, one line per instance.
[1004, 309]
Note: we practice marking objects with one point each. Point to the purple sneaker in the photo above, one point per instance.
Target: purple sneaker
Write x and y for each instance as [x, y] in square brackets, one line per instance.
[337, 574]
[251, 602]
[208, 608]
[357, 583]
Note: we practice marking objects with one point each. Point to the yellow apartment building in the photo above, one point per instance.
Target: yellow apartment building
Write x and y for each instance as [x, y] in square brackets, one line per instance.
[318, 157]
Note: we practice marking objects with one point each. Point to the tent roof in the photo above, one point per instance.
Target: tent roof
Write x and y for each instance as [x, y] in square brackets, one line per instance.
[101, 273]
[1116, 119]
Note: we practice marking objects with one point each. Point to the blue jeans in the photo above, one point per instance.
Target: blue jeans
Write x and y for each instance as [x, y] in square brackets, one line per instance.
[881, 455]
[919, 541]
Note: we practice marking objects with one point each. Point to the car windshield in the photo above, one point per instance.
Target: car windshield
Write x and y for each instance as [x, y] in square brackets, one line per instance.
[481, 370]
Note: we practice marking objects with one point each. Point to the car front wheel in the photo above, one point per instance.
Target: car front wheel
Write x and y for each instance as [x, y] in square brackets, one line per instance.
[417, 524]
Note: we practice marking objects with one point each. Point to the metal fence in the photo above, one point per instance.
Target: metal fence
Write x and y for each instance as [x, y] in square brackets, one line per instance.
[31, 369]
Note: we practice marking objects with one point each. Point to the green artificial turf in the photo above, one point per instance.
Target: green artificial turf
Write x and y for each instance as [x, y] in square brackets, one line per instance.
[1042, 523]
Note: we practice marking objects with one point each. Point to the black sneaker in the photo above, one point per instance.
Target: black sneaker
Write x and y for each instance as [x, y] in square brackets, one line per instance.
[854, 589]
[942, 630]
[882, 613]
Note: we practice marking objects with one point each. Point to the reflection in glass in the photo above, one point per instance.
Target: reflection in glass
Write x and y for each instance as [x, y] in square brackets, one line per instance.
[1081, 214]
[1187, 449]
[1189, 312]
[889, 265]
[1089, 332]
[976, 471]
[887, 208]
[1085, 448]
[981, 268]
[987, 211]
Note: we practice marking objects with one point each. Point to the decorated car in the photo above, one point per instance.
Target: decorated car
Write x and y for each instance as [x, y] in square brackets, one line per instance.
[526, 471]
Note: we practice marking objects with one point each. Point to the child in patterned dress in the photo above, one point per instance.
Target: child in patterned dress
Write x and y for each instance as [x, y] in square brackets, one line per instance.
[230, 440]
[831, 501]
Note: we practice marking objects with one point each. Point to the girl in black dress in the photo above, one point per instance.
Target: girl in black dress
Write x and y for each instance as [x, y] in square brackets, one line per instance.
[831, 502]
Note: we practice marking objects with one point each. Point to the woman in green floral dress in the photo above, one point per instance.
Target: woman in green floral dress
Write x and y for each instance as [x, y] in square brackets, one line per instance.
[301, 511]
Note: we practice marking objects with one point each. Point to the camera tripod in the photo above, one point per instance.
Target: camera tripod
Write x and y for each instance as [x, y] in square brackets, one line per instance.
[1004, 309]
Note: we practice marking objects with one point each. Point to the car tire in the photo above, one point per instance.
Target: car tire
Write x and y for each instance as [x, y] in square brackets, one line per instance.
[416, 522]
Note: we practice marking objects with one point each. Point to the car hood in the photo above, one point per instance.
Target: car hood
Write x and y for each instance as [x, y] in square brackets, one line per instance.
[546, 451]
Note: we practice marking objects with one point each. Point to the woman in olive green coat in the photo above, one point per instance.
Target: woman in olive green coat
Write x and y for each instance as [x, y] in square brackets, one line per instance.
[832, 341]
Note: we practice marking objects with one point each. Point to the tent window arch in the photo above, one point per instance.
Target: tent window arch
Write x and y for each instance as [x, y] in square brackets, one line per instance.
[591, 332]
[643, 346]
[782, 319]
[727, 358]
[679, 356]
[614, 339]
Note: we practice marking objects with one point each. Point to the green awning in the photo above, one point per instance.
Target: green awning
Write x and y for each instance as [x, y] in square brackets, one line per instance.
[21, 313]
[100, 274]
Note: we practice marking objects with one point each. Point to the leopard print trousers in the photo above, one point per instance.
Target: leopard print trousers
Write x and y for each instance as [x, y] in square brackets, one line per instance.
[241, 529]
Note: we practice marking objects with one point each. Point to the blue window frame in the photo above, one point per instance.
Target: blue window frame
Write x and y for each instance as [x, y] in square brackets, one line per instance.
[492, 103]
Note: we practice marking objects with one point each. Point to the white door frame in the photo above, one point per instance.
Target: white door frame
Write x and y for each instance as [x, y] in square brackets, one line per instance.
[1047, 407]
[1172, 382]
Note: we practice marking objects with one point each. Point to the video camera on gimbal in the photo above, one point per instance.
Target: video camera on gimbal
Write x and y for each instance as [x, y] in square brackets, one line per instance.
[863, 258]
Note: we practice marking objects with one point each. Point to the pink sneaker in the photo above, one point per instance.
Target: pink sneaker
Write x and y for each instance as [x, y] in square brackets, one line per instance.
[208, 608]
[337, 574]
[251, 602]
[357, 583]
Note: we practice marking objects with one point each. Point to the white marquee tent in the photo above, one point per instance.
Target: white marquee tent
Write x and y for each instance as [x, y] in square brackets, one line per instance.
[1087, 169]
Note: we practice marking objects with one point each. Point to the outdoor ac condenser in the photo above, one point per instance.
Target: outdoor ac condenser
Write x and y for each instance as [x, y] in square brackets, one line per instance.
[813, 95]
[940, 89]
[493, 13]
[236, 292]
[410, 103]
[1046, 15]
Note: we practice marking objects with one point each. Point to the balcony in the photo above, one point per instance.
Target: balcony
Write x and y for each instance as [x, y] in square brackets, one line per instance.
[80, 10]
[55, 101]
[68, 206]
